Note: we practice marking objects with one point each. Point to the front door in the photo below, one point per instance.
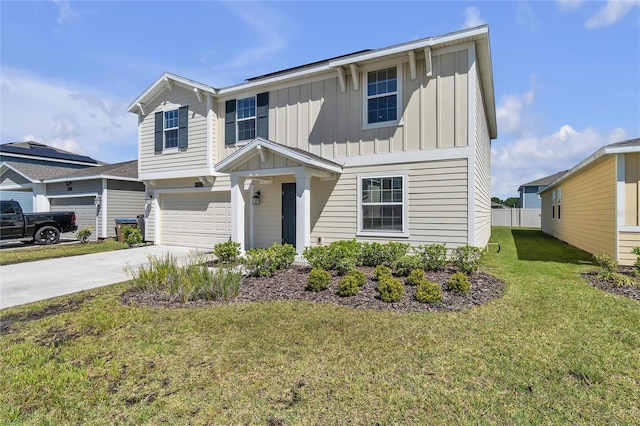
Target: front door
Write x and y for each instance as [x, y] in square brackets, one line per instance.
[289, 213]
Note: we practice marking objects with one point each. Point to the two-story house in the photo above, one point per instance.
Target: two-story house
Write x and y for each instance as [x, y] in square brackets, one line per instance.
[378, 145]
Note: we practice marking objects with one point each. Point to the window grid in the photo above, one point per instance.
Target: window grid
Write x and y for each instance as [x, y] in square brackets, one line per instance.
[382, 95]
[246, 118]
[382, 204]
[171, 129]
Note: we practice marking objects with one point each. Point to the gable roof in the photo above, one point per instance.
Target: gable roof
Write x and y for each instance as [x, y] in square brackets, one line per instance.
[31, 149]
[544, 181]
[478, 35]
[260, 144]
[37, 173]
[624, 147]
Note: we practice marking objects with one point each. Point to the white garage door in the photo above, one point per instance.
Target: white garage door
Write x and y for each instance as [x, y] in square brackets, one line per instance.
[83, 207]
[195, 220]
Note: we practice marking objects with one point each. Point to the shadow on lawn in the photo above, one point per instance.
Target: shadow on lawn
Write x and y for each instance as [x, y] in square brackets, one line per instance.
[533, 245]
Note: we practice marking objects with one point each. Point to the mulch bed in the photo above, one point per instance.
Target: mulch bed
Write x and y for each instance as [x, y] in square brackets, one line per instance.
[290, 283]
[628, 291]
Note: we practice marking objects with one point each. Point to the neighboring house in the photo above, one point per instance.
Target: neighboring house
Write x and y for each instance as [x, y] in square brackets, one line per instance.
[380, 145]
[594, 206]
[529, 192]
[495, 205]
[36, 153]
[98, 195]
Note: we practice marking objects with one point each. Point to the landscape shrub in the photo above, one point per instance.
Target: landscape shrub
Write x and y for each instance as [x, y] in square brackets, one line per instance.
[459, 283]
[432, 256]
[360, 277]
[396, 250]
[132, 236]
[84, 234]
[608, 265]
[348, 286]
[621, 280]
[373, 254]
[428, 292]
[636, 266]
[390, 289]
[415, 277]
[381, 271]
[405, 264]
[345, 265]
[467, 258]
[342, 256]
[265, 262]
[318, 279]
[227, 252]
[318, 257]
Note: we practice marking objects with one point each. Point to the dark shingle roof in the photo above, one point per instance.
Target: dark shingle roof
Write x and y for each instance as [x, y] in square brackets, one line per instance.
[127, 169]
[630, 142]
[36, 149]
[543, 181]
[38, 171]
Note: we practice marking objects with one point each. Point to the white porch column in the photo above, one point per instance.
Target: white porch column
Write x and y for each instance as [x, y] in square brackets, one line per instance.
[303, 210]
[237, 210]
[40, 200]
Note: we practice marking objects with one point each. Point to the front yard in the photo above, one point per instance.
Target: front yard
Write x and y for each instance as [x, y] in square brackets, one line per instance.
[552, 349]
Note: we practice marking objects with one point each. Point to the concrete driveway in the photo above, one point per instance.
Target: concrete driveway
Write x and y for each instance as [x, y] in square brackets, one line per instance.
[32, 281]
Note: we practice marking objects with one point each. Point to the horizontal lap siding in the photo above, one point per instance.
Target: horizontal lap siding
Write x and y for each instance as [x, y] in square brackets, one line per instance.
[124, 200]
[482, 158]
[77, 188]
[588, 207]
[628, 241]
[195, 156]
[317, 117]
[437, 203]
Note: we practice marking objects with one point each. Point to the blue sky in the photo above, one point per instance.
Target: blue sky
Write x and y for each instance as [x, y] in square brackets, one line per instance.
[566, 73]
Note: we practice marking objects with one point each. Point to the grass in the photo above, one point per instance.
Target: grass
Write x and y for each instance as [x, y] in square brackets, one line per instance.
[552, 350]
[8, 257]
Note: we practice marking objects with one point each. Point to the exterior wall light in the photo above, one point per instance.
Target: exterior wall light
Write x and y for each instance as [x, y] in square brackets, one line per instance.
[255, 200]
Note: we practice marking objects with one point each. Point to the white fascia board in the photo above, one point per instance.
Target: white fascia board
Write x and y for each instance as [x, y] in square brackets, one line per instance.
[19, 172]
[581, 165]
[405, 157]
[180, 174]
[622, 149]
[159, 86]
[53, 160]
[275, 79]
[77, 195]
[77, 179]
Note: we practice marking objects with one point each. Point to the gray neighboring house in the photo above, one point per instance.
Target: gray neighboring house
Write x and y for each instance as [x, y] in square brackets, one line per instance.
[529, 198]
[98, 195]
[35, 153]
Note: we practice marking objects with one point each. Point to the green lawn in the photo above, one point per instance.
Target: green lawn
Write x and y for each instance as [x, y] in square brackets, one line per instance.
[30, 254]
[552, 350]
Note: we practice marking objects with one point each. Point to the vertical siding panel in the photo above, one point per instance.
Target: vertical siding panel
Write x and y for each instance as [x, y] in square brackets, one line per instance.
[304, 129]
[429, 119]
[632, 179]
[293, 116]
[462, 97]
[342, 119]
[354, 123]
[446, 100]
[412, 109]
[281, 117]
[316, 114]
[329, 119]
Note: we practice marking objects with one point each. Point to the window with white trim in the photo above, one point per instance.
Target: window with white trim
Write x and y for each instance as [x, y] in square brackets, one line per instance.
[553, 204]
[559, 202]
[382, 204]
[170, 128]
[246, 118]
[382, 96]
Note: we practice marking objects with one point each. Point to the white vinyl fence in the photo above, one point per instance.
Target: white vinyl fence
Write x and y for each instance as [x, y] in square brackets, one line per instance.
[524, 218]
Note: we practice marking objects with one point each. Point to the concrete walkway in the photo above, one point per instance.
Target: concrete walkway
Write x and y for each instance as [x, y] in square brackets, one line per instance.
[32, 281]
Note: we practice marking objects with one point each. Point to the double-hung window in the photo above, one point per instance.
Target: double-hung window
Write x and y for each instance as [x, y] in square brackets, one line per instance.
[171, 129]
[246, 118]
[382, 96]
[382, 205]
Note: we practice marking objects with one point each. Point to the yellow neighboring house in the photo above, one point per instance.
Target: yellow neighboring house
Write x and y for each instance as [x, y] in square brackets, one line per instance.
[594, 206]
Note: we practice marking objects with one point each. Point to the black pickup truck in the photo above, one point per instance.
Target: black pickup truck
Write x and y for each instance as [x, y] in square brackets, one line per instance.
[43, 228]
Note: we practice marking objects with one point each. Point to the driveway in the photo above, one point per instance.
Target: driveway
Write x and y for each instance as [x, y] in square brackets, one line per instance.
[32, 281]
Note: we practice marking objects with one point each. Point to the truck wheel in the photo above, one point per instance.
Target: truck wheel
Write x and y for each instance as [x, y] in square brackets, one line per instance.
[47, 235]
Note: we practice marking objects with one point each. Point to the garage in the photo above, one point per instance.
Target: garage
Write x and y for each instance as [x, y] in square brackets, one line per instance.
[195, 220]
[83, 207]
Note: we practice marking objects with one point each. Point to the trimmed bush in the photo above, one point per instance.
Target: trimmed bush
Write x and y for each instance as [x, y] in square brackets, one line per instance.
[390, 289]
[428, 292]
[467, 258]
[84, 234]
[432, 256]
[415, 277]
[348, 286]
[373, 254]
[405, 264]
[318, 257]
[227, 252]
[339, 255]
[345, 265]
[132, 236]
[360, 276]
[381, 271]
[318, 279]
[459, 283]
[265, 262]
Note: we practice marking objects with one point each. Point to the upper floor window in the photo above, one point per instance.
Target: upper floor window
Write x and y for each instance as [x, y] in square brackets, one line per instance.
[171, 129]
[382, 96]
[246, 118]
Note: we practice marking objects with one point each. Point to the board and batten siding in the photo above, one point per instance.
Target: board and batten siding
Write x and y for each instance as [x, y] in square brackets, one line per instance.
[437, 202]
[482, 178]
[124, 200]
[317, 117]
[588, 209]
[195, 156]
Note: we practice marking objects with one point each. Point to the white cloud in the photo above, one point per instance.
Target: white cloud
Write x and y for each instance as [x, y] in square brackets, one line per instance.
[65, 13]
[611, 13]
[79, 119]
[569, 4]
[509, 112]
[472, 17]
[525, 16]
